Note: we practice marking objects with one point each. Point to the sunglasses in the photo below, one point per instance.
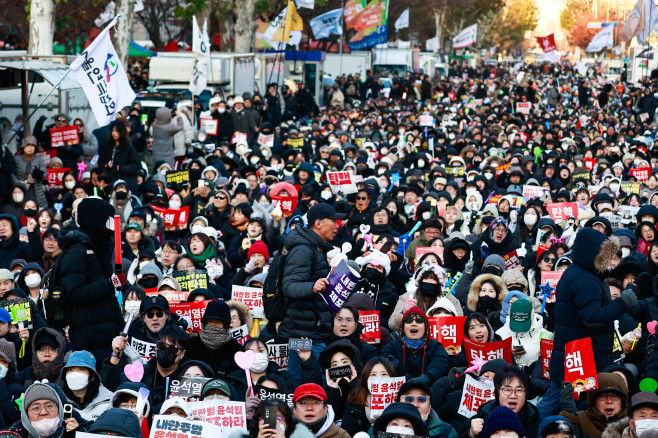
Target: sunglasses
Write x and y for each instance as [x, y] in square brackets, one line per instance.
[411, 399]
[411, 319]
[60, 119]
[220, 197]
[158, 314]
[162, 346]
[549, 260]
[80, 125]
[361, 198]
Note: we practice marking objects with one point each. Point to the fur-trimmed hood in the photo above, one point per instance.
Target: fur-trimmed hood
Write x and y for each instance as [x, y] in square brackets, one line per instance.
[245, 315]
[474, 293]
[593, 251]
[618, 429]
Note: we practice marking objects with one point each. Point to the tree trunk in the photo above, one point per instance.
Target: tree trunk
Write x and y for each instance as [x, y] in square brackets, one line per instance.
[244, 25]
[42, 25]
[438, 23]
[225, 34]
[123, 30]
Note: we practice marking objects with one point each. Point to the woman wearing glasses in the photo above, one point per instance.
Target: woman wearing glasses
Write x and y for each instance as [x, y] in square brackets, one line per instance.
[545, 263]
[287, 425]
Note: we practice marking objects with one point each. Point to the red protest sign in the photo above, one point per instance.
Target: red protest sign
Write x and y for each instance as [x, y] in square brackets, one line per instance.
[552, 277]
[511, 260]
[372, 333]
[238, 136]
[438, 250]
[590, 163]
[546, 352]
[191, 312]
[174, 218]
[209, 125]
[489, 350]
[449, 331]
[540, 250]
[641, 173]
[55, 177]
[502, 168]
[64, 136]
[559, 211]
[579, 366]
[288, 204]
[172, 296]
[452, 96]
[523, 107]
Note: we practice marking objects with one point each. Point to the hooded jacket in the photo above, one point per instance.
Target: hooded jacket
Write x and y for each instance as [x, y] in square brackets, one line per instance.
[163, 136]
[12, 248]
[474, 292]
[529, 416]
[583, 306]
[131, 388]
[24, 426]
[49, 370]
[529, 340]
[429, 362]
[485, 246]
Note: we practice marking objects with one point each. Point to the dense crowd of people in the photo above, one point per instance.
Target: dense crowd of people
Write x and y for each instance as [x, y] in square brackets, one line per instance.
[459, 197]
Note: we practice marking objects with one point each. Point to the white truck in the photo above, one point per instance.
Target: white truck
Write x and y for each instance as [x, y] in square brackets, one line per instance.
[392, 60]
[336, 64]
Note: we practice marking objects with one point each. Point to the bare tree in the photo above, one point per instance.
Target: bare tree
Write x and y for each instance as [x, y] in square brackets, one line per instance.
[42, 27]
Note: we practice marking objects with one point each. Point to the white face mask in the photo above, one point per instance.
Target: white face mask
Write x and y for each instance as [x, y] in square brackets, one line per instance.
[77, 380]
[614, 187]
[18, 197]
[260, 364]
[196, 229]
[229, 103]
[470, 178]
[644, 425]
[421, 163]
[530, 219]
[221, 110]
[69, 184]
[32, 280]
[132, 306]
[174, 204]
[254, 160]
[47, 426]
[3, 371]
[400, 430]
[384, 151]
[625, 252]
[488, 175]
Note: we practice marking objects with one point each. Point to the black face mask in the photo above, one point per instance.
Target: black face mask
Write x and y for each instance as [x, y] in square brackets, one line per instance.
[30, 212]
[487, 304]
[148, 283]
[165, 358]
[429, 289]
[147, 197]
[493, 270]
[121, 195]
[373, 275]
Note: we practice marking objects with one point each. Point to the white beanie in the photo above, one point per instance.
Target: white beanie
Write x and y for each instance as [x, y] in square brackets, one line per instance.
[376, 258]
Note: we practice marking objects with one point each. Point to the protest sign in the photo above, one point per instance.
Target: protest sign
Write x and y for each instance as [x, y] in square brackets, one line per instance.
[168, 426]
[177, 177]
[145, 349]
[223, 414]
[421, 251]
[46, 156]
[629, 187]
[19, 309]
[474, 395]
[559, 211]
[295, 344]
[64, 136]
[581, 175]
[590, 163]
[211, 126]
[190, 280]
[341, 181]
[552, 277]
[371, 326]
[238, 137]
[188, 388]
[341, 282]
[488, 350]
[448, 330]
[530, 192]
[263, 393]
[278, 353]
[191, 312]
[511, 260]
[287, 204]
[296, 142]
[628, 214]
[426, 120]
[174, 218]
[55, 177]
[546, 346]
[252, 297]
[523, 107]
[641, 173]
[171, 296]
[455, 171]
[240, 334]
[579, 366]
[502, 168]
[383, 392]
[265, 140]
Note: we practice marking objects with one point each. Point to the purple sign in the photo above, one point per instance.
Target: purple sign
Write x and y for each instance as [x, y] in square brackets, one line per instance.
[341, 283]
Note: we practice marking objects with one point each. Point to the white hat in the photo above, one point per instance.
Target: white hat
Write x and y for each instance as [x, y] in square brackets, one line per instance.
[238, 99]
[178, 403]
[214, 100]
[376, 258]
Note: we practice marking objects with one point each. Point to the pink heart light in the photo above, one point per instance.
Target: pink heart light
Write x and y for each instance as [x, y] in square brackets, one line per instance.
[134, 371]
[651, 326]
[245, 359]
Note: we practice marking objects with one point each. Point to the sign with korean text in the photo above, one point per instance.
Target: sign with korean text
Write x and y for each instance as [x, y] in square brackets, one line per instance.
[227, 415]
[265, 140]
[426, 120]
[579, 365]
[192, 312]
[456, 171]
[174, 218]
[296, 142]
[288, 204]
[188, 388]
[590, 163]
[264, 393]
[546, 346]
[342, 181]
[372, 333]
[172, 296]
[46, 156]
[64, 136]
[252, 297]
[238, 137]
[341, 283]
[511, 260]
[530, 192]
[278, 353]
[209, 125]
[474, 395]
[383, 392]
[559, 211]
[552, 277]
[19, 309]
[630, 187]
[523, 107]
[166, 426]
[55, 177]
[641, 173]
[146, 350]
[489, 350]
[240, 334]
[178, 177]
[502, 168]
[191, 280]
[448, 330]
[421, 251]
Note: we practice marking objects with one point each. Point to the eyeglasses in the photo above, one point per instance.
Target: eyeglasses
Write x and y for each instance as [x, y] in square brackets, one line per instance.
[411, 319]
[432, 232]
[549, 260]
[50, 239]
[186, 267]
[361, 198]
[128, 406]
[610, 396]
[35, 409]
[158, 314]
[313, 403]
[222, 197]
[411, 399]
[519, 392]
[47, 349]
[344, 320]
[162, 346]
[169, 251]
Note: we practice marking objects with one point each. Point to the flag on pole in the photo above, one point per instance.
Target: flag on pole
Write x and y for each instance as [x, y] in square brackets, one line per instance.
[327, 24]
[604, 38]
[433, 44]
[102, 78]
[640, 22]
[403, 20]
[201, 49]
[466, 37]
[352, 11]
[287, 21]
[309, 4]
[547, 43]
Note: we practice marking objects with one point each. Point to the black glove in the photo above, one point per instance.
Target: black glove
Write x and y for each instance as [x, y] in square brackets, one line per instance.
[628, 296]
[37, 174]
[567, 401]
[42, 119]
[456, 377]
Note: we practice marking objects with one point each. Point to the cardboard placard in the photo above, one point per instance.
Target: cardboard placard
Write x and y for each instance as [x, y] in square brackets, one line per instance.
[211, 126]
[191, 280]
[265, 140]
[474, 395]
[546, 352]
[295, 344]
[530, 192]
[192, 312]
[341, 283]
[628, 214]
[421, 251]
[590, 163]
[177, 177]
[264, 393]
[628, 188]
[579, 366]
[371, 326]
[641, 173]
[383, 392]
[238, 137]
[252, 297]
[55, 177]
[449, 331]
[20, 310]
[336, 373]
[502, 168]
[174, 218]
[426, 120]
[489, 350]
[64, 136]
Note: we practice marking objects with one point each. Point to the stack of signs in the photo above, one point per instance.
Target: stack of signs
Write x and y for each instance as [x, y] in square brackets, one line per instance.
[174, 218]
[383, 392]
[263, 393]
[511, 260]
[552, 277]
[252, 297]
[530, 192]
[209, 125]
[341, 182]
[371, 326]
[559, 211]
[191, 312]
[165, 426]
[177, 177]
[64, 136]
[146, 350]
[191, 280]
[546, 352]
[341, 283]
[278, 353]
[188, 388]
[579, 366]
[449, 331]
[20, 311]
[474, 395]
[489, 350]
[287, 204]
[240, 334]
[55, 177]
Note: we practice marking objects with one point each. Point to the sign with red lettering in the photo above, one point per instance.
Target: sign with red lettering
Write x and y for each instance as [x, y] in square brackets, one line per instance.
[372, 333]
[55, 177]
[449, 331]
[174, 218]
[238, 137]
[288, 204]
[211, 126]
[502, 168]
[559, 211]
[191, 312]
[579, 366]
[64, 136]
[552, 277]
[438, 250]
[227, 415]
[523, 107]
[46, 156]
[641, 173]
[511, 260]
[342, 181]
[474, 395]
[489, 350]
[265, 140]
[172, 296]
[383, 392]
[590, 163]
[530, 192]
[252, 297]
[278, 353]
[546, 351]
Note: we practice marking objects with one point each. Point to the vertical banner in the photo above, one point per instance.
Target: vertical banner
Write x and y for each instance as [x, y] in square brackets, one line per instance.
[579, 366]
[546, 352]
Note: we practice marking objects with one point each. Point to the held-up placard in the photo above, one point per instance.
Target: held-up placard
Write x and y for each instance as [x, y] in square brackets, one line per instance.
[64, 136]
[288, 204]
[341, 181]
[226, 415]
[188, 388]
[240, 334]
[530, 192]
[174, 218]
[192, 312]
[252, 297]
[55, 177]
[177, 177]
[552, 277]
[546, 352]
[264, 393]
[523, 107]
[474, 395]
[371, 326]
[383, 392]
[171, 296]
[300, 344]
[278, 353]
[489, 350]
[511, 260]
[145, 349]
[191, 280]
[559, 211]
[579, 366]
[448, 330]
[341, 283]
[209, 125]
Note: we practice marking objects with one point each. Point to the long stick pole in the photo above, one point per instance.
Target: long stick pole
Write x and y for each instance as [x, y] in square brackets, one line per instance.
[340, 48]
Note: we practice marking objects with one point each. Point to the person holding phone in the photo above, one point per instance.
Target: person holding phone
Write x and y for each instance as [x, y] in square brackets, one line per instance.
[525, 327]
[273, 418]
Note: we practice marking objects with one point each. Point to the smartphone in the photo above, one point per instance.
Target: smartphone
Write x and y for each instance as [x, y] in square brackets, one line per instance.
[519, 348]
[269, 417]
[68, 411]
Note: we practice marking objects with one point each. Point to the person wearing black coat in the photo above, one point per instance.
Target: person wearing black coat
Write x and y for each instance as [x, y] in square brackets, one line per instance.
[7, 166]
[11, 247]
[120, 157]
[90, 304]
[351, 330]
[495, 240]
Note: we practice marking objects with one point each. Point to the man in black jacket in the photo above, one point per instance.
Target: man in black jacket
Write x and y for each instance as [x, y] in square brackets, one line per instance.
[305, 279]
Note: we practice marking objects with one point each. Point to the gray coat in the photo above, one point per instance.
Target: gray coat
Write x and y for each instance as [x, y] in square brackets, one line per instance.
[163, 136]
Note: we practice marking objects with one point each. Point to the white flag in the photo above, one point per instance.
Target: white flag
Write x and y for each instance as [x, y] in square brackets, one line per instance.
[466, 37]
[650, 21]
[103, 79]
[201, 49]
[604, 38]
[403, 20]
[433, 44]
[309, 4]
[326, 24]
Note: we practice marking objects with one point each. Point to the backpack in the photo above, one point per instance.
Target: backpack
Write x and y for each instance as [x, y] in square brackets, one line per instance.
[273, 300]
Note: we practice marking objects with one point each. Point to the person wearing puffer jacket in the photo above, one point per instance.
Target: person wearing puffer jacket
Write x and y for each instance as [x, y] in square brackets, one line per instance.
[82, 386]
[183, 138]
[486, 295]
[163, 136]
[525, 328]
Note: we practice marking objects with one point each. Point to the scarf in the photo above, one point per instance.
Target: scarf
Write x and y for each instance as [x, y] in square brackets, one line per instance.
[414, 344]
[214, 336]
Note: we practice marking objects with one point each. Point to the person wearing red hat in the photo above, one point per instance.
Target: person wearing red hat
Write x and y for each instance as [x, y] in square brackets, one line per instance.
[311, 408]
[258, 256]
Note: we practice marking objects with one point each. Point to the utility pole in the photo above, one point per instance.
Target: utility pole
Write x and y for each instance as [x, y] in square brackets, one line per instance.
[342, 24]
